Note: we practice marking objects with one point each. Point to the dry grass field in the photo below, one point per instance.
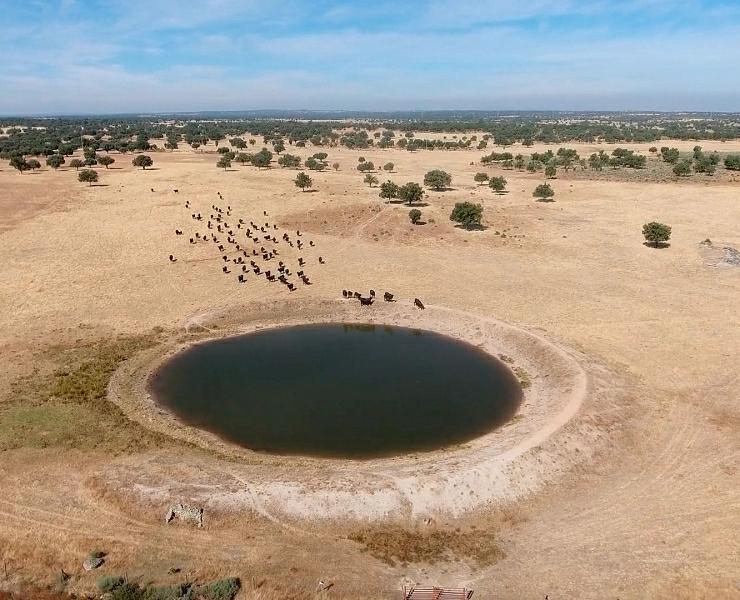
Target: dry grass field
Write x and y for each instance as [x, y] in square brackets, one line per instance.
[636, 496]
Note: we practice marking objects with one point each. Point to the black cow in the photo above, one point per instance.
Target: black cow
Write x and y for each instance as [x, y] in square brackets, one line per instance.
[321, 260]
[241, 278]
[418, 304]
[388, 297]
[172, 258]
[344, 293]
[366, 301]
[372, 293]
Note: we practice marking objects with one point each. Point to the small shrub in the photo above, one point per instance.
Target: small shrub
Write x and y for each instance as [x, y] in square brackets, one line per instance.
[222, 589]
[96, 554]
[415, 216]
[108, 584]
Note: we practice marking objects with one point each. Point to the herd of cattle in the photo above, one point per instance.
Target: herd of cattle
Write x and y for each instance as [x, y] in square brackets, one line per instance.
[259, 243]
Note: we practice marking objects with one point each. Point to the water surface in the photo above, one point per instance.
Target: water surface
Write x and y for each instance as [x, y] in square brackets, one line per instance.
[338, 390]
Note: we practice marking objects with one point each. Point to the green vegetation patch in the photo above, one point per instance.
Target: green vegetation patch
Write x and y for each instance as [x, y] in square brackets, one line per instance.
[68, 408]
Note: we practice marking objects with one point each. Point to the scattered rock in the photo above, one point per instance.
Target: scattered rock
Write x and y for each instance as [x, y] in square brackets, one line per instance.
[92, 563]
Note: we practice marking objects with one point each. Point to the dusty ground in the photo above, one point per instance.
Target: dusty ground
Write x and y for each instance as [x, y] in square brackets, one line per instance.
[641, 487]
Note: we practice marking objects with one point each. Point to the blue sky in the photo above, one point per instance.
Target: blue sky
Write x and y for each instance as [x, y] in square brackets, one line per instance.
[109, 56]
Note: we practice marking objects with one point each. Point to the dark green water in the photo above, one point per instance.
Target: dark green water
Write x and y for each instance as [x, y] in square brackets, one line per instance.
[338, 390]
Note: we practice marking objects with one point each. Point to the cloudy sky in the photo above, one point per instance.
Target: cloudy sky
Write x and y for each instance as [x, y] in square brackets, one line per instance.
[112, 56]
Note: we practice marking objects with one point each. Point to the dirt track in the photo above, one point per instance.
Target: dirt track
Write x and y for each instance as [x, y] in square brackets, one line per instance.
[651, 512]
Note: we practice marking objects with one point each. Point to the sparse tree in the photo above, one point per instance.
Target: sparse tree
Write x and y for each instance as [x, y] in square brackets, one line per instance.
[705, 164]
[550, 171]
[732, 162]
[33, 164]
[142, 161]
[336, 166]
[388, 167]
[106, 160]
[252, 141]
[278, 146]
[467, 214]
[543, 192]
[289, 161]
[415, 216]
[519, 163]
[303, 181]
[19, 163]
[653, 150]
[370, 179]
[411, 192]
[224, 163]
[91, 161]
[480, 178]
[55, 161]
[670, 155]
[321, 156]
[195, 145]
[388, 190]
[656, 233]
[76, 163]
[682, 168]
[366, 166]
[243, 158]
[498, 184]
[262, 159]
[87, 176]
[238, 143]
[438, 179]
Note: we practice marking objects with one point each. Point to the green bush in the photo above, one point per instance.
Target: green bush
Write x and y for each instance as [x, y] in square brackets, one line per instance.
[108, 584]
[222, 589]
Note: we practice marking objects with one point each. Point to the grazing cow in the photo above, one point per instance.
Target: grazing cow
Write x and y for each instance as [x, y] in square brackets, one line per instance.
[226, 258]
[287, 271]
[178, 232]
[256, 270]
[388, 297]
[274, 226]
[344, 293]
[172, 258]
[192, 241]
[350, 294]
[298, 233]
[321, 260]
[271, 278]
[197, 235]
[238, 225]
[310, 243]
[372, 293]
[418, 304]
[221, 247]
[199, 217]
[365, 301]
[291, 287]
[152, 189]
[244, 269]
[299, 273]
[264, 212]
[358, 295]
[176, 191]
[240, 278]
[301, 261]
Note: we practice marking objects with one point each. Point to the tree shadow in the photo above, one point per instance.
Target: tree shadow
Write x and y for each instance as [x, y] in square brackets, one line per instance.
[309, 191]
[445, 189]
[416, 204]
[479, 227]
[99, 185]
[659, 246]
[545, 200]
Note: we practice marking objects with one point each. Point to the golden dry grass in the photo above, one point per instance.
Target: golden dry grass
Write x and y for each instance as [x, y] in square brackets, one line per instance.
[650, 512]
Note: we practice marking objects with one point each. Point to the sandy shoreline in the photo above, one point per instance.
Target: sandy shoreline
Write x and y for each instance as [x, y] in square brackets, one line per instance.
[500, 466]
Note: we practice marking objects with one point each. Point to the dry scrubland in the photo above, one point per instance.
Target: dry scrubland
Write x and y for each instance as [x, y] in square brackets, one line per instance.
[643, 484]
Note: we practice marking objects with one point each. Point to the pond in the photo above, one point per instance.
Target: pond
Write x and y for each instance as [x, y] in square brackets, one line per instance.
[339, 390]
